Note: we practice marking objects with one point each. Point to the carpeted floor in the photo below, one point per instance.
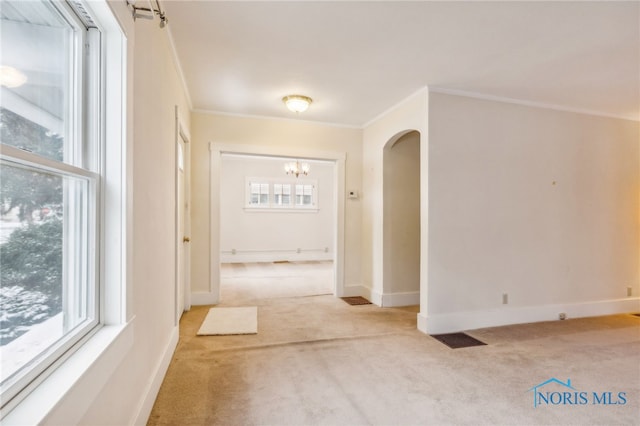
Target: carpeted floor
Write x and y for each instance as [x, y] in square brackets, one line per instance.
[267, 280]
[319, 361]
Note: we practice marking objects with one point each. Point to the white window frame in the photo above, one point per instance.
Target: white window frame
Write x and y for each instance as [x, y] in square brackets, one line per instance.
[304, 186]
[261, 184]
[282, 185]
[104, 120]
[271, 205]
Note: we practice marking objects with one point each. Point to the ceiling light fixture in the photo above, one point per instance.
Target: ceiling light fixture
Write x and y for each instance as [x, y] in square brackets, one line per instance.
[297, 103]
[296, 168]
[11, 77]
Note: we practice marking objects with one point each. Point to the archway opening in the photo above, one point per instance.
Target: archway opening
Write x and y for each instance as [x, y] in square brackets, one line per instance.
[401, 220]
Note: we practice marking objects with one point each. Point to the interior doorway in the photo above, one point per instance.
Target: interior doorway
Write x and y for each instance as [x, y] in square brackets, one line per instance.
[217, 150]
[277, 233]
[401, 220]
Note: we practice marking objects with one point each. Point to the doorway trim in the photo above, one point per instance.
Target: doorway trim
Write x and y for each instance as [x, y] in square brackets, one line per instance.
[181, 133]
[217, 149]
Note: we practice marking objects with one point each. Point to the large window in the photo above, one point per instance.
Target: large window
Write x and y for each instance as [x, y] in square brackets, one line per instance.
[49, 186]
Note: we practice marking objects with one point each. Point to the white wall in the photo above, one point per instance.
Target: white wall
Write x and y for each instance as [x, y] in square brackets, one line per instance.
[257, 235]
[275, 137]
[154, 91]
[539, 204]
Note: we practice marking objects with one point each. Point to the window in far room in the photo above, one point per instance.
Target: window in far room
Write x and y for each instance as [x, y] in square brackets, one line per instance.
[304, 195]
[258, 194]
[282, 195]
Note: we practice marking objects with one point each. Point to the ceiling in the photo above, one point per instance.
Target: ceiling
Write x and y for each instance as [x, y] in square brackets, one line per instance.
[358, 59]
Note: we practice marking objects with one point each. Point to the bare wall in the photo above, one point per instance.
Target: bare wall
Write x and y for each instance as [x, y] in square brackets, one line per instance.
[154, 91]
[539, 204]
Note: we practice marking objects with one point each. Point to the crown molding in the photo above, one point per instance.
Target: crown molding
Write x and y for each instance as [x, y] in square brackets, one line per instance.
[482, 96]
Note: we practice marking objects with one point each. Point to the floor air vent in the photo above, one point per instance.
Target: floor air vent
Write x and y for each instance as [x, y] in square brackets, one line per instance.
[457, 340]
[357, 300]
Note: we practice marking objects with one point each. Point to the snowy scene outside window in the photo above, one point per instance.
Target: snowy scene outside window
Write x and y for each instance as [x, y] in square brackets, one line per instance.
[48, 189]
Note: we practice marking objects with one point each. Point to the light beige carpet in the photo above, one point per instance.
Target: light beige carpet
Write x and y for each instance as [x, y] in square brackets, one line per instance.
[228, 321]
[241, 283]
[320, 361]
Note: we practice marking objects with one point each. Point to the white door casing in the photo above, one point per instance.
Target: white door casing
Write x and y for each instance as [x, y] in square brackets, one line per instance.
[183, 221]
[212, 296]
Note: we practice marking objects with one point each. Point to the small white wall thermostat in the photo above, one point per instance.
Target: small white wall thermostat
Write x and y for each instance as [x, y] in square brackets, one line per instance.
[353, 195]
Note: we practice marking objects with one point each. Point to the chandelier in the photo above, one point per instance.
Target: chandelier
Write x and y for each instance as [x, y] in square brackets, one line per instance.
[296, 168]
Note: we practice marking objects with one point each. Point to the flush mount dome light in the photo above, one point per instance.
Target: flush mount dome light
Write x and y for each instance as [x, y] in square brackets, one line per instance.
[11, 77]
[297, 103]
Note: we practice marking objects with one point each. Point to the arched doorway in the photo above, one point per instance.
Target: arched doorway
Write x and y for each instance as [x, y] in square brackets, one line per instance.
[401, 220]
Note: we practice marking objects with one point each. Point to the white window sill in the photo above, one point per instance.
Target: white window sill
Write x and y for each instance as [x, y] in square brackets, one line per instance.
[66, 394]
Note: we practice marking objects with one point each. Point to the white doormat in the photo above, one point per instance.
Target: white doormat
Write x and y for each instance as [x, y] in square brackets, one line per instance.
[223, 321]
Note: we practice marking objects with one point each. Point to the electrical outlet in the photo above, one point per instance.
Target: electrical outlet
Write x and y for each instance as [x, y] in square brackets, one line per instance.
[629, 291]
[505, 298]
[562, 316]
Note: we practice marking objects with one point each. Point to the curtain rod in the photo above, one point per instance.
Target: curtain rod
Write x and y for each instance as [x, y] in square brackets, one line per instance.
[147, 12]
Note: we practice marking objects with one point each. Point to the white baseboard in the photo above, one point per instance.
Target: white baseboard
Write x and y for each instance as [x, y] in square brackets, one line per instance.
[153, 388]
[459, 321]
[408, 298]
[374, 297]
[267, 256]
[355, 290]
[390, 300]
[422, 323]
[201, 298]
